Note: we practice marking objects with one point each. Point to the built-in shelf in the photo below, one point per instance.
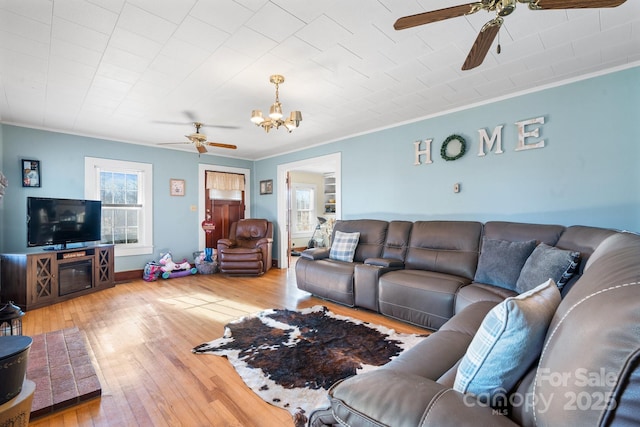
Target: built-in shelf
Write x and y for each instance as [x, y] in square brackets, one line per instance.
[329, 194]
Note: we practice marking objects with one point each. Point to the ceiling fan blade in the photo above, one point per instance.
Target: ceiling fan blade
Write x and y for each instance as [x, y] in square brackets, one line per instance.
[163, 122]
[202, 125]
[220, 126]
[190, 115]
[201, 149]
[482, 44]
[573, 4]
[435, 16]
[173, 143]
[220, 145]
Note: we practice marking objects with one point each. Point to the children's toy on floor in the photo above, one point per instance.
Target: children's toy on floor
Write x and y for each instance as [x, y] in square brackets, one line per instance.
[152, 270]
[206, 262]
[170, 269]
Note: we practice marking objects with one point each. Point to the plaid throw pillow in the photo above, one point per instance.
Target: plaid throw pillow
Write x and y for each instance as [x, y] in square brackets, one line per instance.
[508, 341]
[344, 245]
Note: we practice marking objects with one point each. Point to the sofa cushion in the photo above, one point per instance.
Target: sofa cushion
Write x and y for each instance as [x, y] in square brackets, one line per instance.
[344, 246]
[520, 232]
[449, 247]
[547, 262]
[477, 292]
[501, 261]
[327, 278]
[423, 298]
[372, 236]
[509, 340]
[251, 228]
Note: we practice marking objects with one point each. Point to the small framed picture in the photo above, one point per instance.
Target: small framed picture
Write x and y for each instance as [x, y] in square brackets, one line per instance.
[266, 186]
[31, 173]
[176, 187]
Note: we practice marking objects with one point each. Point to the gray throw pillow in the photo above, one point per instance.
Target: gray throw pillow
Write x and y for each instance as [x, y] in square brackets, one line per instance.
[501, 261]
[547, 262]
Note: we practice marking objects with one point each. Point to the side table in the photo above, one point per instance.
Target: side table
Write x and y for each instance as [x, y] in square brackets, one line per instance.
[16, 412]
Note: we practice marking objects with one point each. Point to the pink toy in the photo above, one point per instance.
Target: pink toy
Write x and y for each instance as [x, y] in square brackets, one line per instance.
[168, 265]
[171, 269]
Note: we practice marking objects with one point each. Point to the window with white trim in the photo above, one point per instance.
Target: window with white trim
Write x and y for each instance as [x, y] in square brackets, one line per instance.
[127, 213]
[304, 209]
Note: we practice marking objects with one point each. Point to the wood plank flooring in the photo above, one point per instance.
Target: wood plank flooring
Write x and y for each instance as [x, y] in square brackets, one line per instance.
[142, 333]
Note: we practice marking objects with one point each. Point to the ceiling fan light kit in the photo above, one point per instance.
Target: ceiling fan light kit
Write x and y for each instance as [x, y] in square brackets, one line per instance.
[490, 30]
[274, 120]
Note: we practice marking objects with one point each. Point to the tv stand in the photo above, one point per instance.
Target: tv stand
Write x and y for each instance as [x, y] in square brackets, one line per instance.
[37, 279]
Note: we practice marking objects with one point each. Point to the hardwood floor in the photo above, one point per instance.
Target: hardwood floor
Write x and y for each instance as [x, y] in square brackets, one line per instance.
[142, 333]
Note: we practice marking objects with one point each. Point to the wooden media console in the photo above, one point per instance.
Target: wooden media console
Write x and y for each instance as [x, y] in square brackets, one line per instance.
[38, 279]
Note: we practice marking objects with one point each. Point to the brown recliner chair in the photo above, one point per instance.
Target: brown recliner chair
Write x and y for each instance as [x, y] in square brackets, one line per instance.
[247, 251]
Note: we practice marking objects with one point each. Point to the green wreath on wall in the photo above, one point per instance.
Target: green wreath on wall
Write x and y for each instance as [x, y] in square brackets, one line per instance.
[445, 144]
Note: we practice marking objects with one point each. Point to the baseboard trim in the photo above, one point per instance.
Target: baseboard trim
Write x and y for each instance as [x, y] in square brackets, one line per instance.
[127, 276]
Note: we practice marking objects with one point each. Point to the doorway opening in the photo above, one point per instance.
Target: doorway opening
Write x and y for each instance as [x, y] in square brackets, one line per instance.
[229, 210]
[328, 203]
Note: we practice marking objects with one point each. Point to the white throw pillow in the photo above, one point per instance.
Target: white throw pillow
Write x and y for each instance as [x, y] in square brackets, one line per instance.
[508, 341]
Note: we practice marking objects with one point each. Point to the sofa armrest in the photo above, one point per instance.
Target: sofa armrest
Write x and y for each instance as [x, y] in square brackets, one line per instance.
[315, 253]
[365, 282]
[226, 243]
[264, 241]
[407, 400]
[385, 262]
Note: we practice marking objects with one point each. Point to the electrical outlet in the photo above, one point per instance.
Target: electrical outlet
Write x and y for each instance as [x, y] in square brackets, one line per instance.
[456, 187]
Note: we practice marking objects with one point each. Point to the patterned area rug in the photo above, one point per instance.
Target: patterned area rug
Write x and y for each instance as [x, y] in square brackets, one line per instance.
[291, 358]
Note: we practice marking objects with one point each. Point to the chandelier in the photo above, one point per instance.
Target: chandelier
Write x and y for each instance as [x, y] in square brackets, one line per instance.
[275, 112]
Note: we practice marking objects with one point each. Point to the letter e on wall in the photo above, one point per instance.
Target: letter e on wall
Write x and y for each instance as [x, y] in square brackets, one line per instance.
[523, 134]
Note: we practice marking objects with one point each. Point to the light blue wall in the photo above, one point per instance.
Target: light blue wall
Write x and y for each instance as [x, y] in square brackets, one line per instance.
[587, 173]
[176, 226]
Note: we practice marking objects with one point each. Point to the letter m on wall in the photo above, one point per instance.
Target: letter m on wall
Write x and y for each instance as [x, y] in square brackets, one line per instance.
[489, 143]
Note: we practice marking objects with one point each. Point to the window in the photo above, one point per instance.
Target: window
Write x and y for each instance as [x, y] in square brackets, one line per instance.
[303, 215]
[125, 191]
[121, 206]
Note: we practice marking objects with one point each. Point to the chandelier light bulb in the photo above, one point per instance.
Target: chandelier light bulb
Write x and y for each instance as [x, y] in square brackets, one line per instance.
[275, 112]
[274, 120]
[256, 117]
[289, 125]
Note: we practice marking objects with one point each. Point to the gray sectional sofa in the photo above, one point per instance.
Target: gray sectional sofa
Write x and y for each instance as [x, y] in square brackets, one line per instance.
[446, 276]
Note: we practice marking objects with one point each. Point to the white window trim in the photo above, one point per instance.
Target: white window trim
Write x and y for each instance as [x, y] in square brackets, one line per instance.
[92, 168]
[294, 210]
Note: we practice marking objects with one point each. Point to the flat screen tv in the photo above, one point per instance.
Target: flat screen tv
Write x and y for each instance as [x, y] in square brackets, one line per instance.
[61, 221]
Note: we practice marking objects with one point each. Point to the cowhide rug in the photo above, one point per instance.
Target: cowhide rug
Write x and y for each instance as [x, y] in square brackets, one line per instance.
[291, 358]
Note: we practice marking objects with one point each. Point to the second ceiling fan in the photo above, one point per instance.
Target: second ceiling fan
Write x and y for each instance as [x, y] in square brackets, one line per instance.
[490, 30]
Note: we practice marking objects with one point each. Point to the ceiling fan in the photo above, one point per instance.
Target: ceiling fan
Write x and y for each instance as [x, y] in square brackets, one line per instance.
[490, 30]
[199, 140]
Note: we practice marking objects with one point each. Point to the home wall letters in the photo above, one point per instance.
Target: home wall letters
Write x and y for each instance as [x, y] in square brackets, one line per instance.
[488, 143]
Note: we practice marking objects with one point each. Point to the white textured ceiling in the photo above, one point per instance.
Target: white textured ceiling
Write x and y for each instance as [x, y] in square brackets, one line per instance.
[113, 69]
